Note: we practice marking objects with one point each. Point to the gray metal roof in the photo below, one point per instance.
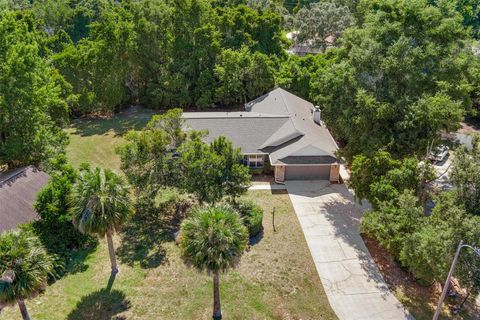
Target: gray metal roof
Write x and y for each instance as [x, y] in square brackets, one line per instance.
[18, 192]
[278, 123]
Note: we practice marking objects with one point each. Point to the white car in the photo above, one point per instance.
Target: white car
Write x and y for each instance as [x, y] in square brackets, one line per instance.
[439, 153]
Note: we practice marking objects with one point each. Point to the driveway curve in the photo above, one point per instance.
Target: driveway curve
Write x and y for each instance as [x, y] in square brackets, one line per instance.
[330, 220]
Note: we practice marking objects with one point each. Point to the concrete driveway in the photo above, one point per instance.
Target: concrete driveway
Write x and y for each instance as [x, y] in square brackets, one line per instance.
[329, 218]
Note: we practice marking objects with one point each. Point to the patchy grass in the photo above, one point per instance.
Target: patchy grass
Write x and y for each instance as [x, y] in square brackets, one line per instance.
[276, 279]
[95, 140]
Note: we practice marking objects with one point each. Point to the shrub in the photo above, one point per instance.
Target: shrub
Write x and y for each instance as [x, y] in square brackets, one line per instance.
[55, 229]
[252, 216]
[394, 222]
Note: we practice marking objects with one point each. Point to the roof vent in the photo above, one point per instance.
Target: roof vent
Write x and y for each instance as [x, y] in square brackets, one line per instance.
[317, 115]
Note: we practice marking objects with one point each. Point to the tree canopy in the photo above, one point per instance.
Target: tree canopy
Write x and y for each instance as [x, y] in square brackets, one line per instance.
[101, 203]
[219, 166]
[160, 53]
[213, 240]
[33, 96]
[465, 176]
[399, 79]
[164, 155]
[319, 25]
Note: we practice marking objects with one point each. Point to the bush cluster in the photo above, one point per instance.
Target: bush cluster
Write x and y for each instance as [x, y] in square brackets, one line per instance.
[425, 244]
[55, 228]
[251, 214]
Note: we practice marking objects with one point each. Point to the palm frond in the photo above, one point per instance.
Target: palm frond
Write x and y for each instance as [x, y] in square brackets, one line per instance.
[24, 265]
[213, 239]
[101, 201]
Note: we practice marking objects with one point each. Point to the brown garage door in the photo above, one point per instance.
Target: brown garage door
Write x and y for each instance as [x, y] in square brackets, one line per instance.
[307, 173]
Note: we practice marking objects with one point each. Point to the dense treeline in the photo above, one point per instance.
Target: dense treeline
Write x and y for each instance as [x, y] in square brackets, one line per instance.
[402, 71]
[403, 75]
[160, 54]
[61, 58]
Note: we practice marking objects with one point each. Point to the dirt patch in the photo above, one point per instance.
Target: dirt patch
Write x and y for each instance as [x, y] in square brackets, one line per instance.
[470, 127]
[420, 300]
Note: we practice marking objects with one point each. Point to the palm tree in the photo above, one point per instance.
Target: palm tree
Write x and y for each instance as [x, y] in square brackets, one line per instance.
[101, 203]
[213, 240]
[24, 269]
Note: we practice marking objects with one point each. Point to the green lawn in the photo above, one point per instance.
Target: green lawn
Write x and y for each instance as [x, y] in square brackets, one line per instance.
[95, 140]
[276, 278]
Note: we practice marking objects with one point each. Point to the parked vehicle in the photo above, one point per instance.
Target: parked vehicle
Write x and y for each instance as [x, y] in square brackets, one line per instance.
[439, 154]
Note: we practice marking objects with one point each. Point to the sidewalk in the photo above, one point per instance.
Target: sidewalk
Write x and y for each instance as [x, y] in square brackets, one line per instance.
[269, 186]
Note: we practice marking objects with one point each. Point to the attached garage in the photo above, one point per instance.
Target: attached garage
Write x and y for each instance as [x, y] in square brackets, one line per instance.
[307, 172]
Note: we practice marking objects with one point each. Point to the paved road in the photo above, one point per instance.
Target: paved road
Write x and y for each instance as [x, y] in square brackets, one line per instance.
[329, 218]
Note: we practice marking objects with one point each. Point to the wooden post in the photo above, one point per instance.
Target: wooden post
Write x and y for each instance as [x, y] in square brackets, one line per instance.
[273, 219]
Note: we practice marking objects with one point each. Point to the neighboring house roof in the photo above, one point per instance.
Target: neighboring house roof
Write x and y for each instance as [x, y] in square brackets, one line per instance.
[18, 191]
[302, 49]
[278, 123]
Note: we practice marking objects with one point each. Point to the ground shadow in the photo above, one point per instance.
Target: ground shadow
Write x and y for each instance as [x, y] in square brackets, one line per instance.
[77, 261]
[474, 122]
[256, 239]
[278, 191]
[119, 123]
[345, 217]
[143, 237]
[104, 304]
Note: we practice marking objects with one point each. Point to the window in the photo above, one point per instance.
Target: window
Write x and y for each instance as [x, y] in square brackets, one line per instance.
[253, 160]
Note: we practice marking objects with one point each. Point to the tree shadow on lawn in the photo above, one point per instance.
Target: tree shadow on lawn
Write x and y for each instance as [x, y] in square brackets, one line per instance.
[142, 237]
[119, 123]
[77, 262]
[103, 304]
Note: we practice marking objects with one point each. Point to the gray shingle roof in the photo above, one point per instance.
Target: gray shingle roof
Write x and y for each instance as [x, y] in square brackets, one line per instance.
[307, 160]
[278, 123]
[316, 139]
[18, 191]
[246, 132]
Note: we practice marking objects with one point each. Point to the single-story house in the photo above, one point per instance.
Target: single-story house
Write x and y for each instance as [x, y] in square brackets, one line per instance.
[18, 192]
[278, 127]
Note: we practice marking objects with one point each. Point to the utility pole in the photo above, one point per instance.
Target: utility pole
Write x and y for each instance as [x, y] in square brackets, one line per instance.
[447, 283]
[450, 273]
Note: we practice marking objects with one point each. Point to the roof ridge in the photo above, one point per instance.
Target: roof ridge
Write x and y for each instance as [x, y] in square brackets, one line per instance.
[292, 135]
[14, 175]
[290, 115]
[250, 116]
